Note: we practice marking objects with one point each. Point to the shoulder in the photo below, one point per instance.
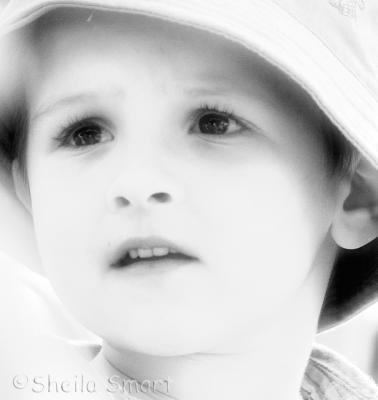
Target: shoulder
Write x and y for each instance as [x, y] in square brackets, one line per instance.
[38, 338]
[329, 376]
[29, 305]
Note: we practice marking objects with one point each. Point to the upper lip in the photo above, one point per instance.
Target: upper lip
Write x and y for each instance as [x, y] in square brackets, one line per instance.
[147, 243]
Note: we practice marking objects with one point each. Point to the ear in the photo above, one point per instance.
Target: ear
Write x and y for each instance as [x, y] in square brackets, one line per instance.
[356, 220]
[21, 185]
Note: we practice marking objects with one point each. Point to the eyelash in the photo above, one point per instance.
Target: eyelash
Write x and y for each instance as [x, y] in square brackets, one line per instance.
[205, 108]
[85, 121]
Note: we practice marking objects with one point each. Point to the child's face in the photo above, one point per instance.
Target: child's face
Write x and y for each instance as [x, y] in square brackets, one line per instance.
[141, 129]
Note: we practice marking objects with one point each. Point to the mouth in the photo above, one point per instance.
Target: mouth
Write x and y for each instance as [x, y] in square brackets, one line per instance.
[150, 251]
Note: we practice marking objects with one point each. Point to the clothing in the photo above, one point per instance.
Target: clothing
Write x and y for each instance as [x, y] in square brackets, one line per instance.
[328, 375]
[331, 377]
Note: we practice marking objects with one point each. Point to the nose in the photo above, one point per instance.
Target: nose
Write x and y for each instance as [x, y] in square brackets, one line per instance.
[140, 189]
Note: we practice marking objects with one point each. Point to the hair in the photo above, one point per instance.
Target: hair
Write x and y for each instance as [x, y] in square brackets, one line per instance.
[13, 135]
[341, 155]
[14, 110]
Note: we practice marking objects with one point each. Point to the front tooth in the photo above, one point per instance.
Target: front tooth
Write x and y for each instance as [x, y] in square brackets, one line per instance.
[160, 251]
[133, 254]
[144, 253]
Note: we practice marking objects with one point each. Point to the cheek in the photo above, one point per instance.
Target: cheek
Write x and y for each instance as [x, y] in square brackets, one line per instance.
[67, 217]
[265, 227]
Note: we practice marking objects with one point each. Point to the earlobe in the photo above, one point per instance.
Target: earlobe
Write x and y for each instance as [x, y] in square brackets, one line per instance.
[21, 186]
[356, 219]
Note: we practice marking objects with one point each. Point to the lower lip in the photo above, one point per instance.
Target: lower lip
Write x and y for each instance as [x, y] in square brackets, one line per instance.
[156, 266]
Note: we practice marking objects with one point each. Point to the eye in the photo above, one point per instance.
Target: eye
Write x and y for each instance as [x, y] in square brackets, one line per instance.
[212, 121]
[84, 133]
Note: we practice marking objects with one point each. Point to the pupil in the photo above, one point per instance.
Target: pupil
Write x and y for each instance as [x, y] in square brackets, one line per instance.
[86, 136]
[213, 124]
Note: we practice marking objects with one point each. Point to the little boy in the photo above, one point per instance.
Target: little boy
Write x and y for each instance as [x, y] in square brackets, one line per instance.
[191, 189]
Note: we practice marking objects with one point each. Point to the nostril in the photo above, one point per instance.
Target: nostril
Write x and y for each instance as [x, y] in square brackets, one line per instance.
[160, 197]
[121, 201]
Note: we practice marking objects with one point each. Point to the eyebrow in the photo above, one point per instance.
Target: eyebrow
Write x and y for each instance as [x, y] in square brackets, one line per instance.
[218, 86]
[219, 90]
[72, 99]
[212, 84]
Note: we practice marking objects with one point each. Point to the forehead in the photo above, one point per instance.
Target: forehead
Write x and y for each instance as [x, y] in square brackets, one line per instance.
[70, 32]
[176, 53]
[158, 47]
